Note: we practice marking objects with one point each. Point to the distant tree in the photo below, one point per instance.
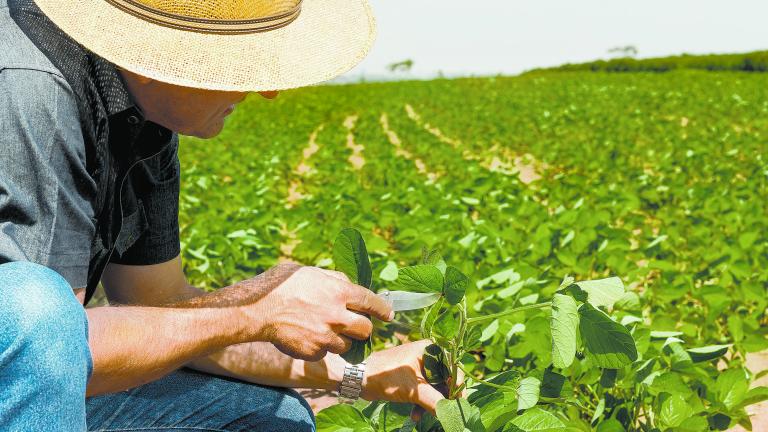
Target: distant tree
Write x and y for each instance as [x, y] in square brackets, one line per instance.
[403, 66]
[624, 51]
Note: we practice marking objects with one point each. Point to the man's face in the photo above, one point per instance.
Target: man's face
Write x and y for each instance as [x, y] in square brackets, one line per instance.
[188, 111]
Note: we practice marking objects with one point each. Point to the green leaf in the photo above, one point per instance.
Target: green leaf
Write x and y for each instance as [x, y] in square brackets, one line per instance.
[706, 353]
[507, 379]
[472, 338]
[420, 278]
[629, 301]
[720, 421]
[537, 420]
[351, 257]
[389, 273]
[565, 321]
[456, 284]
[470, 201]
[679, 357]
[428, 320]
[693, 424]
[599, 411]
[747, 239]
[358, 352]
[665, 334]
[674, 410]
[496, 409]
[553, 385]
[609, 343]
[731, 387]
[504, 276]
[446, 325]
[608, 378]
[610, 425]
[603, 292]
[489, 331]
[457, 415]
[435, 368]
[393, 416]
[342, 418]
[433, 258]
[754, 395]
[528, 392]
[736, 327]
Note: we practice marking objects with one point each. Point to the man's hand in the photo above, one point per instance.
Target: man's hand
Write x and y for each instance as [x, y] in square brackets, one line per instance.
[310, 313]
[396, 375]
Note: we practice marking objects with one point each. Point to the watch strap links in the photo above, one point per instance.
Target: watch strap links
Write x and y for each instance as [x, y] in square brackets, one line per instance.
[352, 382]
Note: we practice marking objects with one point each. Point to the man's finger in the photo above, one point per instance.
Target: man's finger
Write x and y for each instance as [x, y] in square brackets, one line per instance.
[334, 274]
[338, 344]
[356, 326]
[362, 300]
[427, 397]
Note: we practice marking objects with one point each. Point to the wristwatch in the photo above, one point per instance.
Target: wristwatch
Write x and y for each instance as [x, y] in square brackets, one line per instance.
[351, 383]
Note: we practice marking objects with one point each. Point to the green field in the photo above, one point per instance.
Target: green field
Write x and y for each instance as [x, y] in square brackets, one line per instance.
[660, 179]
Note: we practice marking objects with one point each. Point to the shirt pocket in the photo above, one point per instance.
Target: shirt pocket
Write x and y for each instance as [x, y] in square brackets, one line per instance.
[134, 226]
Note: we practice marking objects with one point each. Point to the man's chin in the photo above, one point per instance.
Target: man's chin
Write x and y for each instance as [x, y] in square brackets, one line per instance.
[205, 133]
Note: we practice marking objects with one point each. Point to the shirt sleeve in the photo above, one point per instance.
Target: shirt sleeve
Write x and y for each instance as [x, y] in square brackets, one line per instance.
[155, 183]
[46, 192]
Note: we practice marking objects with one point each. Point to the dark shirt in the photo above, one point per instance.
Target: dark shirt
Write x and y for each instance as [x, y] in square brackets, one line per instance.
[84, 179]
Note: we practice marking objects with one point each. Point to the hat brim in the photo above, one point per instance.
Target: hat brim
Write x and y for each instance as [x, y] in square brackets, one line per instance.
[328, 38]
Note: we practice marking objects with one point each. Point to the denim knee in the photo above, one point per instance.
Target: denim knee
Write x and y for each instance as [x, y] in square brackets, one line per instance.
[280, 409]
[43, 320]
[297, 411]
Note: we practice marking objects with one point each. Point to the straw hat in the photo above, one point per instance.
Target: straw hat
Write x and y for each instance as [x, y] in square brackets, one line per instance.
[236, 45]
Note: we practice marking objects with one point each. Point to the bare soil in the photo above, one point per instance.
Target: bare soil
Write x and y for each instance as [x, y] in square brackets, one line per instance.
[356, 159]
[395, 140]
[497, 159]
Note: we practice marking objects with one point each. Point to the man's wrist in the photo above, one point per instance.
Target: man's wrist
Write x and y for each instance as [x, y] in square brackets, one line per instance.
[224, 326]
[352, 383]
[335, 371]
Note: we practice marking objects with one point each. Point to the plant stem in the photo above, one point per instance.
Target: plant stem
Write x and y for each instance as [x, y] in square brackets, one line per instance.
[475, 320]
[488, 383]
[458, 349]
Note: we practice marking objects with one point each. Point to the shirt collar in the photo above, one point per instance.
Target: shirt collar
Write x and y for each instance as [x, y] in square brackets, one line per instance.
[126, 118]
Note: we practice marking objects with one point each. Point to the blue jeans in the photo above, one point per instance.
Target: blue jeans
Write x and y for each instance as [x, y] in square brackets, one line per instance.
[45, 364]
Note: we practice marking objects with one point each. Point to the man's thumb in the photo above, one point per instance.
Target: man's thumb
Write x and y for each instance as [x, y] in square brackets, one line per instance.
[428, 397]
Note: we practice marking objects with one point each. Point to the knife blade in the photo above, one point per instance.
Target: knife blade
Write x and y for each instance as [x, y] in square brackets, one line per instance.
[405, 301]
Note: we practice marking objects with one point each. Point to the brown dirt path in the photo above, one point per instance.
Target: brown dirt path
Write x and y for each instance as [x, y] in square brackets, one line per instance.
[356, 159]
[290, 241]
[395, 140]
[303, 169]
[498, 158]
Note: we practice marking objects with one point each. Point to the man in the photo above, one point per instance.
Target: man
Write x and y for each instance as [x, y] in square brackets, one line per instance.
[92, 95]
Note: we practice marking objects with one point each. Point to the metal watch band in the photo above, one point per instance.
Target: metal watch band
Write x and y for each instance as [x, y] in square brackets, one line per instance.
[352, 382]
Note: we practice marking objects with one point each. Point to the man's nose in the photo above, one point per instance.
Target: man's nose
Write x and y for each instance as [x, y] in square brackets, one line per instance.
[269, 94]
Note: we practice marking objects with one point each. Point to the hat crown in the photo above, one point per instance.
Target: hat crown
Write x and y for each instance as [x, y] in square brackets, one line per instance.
[223, 9]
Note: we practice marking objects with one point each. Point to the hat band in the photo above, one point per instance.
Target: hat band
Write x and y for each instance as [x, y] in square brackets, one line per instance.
[203, 25]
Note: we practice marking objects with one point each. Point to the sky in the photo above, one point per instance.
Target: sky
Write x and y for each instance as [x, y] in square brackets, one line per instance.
[488, 37]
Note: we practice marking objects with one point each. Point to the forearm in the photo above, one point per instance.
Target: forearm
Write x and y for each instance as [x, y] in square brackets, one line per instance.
[262, 363]
[135, 345]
